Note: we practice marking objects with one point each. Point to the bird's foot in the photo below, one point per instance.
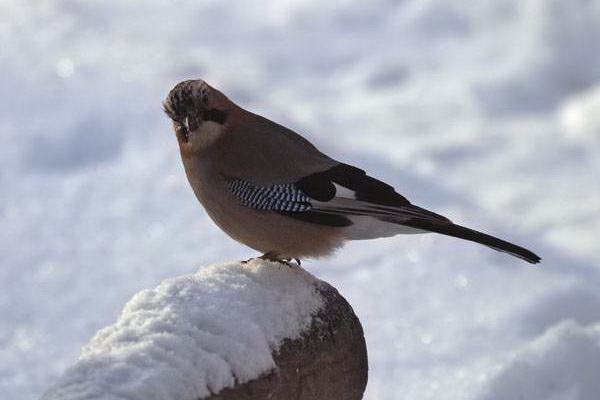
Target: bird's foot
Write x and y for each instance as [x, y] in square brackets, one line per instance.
[275, 257]
[271, 256]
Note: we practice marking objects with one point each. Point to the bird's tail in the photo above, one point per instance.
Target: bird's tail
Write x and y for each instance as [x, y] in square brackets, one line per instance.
[451, 229]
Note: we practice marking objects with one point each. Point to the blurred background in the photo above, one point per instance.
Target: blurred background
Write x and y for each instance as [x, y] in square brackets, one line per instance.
[485, 111]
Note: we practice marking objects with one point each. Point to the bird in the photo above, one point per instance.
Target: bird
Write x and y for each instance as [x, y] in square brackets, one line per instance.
[272, 190]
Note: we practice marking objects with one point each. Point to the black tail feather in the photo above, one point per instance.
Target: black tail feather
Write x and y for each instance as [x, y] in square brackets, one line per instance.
[461, 232]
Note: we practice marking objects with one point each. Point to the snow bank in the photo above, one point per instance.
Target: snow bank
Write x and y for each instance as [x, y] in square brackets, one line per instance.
[556, 57]
[561, 364]
[195, 335]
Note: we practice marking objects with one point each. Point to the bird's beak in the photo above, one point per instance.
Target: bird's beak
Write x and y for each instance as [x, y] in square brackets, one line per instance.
[191, 123]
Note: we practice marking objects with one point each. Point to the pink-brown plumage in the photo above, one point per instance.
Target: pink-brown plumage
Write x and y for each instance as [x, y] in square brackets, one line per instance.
[272, 190]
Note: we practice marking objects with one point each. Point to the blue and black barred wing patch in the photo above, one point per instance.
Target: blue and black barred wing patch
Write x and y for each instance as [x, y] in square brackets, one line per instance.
[286, 199]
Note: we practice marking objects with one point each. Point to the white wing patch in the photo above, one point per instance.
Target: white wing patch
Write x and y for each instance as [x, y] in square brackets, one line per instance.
[341, 191]
[366, 227]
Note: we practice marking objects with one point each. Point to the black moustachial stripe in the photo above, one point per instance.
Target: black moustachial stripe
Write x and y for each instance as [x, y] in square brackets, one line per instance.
[319, 186]
[214, 115]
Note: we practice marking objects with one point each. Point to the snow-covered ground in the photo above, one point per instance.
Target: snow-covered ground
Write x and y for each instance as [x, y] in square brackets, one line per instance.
[486, 111]
[195, 335]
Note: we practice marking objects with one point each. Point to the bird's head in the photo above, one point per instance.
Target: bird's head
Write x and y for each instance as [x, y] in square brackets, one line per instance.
[199, 113]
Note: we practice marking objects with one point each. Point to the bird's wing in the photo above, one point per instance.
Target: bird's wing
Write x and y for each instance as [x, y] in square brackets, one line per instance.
[345, 196]
[331, 197]
[349, 190]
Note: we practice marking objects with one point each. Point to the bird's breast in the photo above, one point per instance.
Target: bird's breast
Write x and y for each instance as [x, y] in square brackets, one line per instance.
[264, 231]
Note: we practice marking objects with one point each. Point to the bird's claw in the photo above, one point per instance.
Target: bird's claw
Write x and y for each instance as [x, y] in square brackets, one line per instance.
[274, 257]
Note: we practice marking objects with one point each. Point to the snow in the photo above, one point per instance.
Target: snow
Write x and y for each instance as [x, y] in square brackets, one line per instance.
[195, 335]
[561, 364]
[484, 111]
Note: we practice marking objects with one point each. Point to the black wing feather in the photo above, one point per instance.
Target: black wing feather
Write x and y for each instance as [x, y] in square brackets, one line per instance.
[320, 186]
[465, 233]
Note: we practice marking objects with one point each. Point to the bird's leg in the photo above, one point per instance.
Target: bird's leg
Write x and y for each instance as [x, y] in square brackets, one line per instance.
[288, 261]
[270, 256]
